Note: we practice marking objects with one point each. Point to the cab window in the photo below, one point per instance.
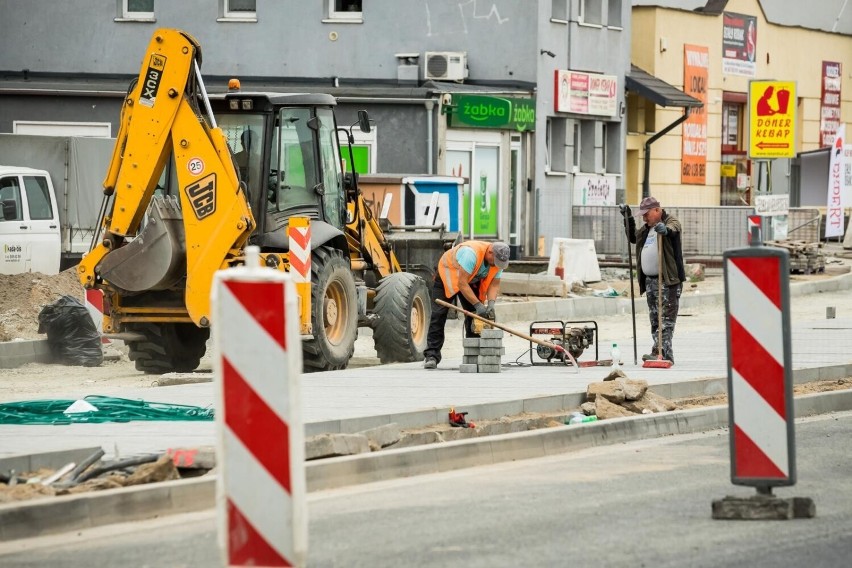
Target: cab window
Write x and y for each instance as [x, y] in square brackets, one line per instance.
[331, 176]
[293, 181]
[38, 198]
[10, 199]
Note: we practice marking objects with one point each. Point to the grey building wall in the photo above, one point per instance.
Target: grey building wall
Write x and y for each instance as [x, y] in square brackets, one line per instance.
[290, 46]
[580, 47]
[289, 38]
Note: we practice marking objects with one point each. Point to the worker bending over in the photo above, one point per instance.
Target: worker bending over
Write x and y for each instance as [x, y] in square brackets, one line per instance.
[470, 270]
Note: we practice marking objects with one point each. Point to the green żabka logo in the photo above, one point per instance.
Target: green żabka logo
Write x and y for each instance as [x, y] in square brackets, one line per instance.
[493, 112]
[488, 111]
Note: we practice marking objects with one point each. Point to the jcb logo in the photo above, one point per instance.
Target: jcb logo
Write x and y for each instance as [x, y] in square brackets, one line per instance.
[202, 196]
[158, 62]
[151, 81]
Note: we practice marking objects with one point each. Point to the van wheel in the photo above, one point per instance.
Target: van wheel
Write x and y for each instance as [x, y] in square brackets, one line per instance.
[168, 347]
[404, 309]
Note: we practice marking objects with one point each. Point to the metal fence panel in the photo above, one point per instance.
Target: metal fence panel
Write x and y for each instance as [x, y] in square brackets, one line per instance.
[707, 231]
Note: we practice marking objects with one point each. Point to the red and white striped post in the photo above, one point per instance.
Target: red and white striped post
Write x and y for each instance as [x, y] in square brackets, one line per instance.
[95, 307]
[261, 480]
[760, 384]
[299, 236]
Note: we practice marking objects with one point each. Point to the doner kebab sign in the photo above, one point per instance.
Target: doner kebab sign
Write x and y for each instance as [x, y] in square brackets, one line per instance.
[772, 123]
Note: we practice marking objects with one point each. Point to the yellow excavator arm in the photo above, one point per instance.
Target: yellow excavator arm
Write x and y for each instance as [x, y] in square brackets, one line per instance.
[210, 226]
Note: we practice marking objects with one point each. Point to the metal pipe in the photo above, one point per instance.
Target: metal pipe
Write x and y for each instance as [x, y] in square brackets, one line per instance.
[430, 105]
[646, 185]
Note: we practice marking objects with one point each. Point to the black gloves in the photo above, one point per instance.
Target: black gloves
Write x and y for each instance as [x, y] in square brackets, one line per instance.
[661, 228]
[625, 210]
[480, 309]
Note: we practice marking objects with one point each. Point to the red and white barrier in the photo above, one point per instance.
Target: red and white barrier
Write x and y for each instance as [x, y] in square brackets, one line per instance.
[95, 306]
[299, 234]
[759, 367]
[261, 480]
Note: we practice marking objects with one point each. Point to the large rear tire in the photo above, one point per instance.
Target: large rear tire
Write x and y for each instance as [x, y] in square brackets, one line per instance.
[168, 347]
[334, 314]
[404, 309]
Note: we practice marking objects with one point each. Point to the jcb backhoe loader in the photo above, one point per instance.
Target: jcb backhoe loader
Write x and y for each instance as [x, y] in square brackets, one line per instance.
[181, 203]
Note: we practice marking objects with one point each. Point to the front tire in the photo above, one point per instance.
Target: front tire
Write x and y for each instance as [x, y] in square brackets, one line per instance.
[404, 308]
[168, 347]
[334, 314]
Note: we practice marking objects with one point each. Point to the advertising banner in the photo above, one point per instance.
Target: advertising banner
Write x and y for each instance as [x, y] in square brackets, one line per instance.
[772, 124]
[834, 208]
[594, 190]
[829, 103]
[585, 93]
[696, 65]
[739, 44]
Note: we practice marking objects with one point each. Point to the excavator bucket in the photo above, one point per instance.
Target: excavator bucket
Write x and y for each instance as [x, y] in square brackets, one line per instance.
[156, 258]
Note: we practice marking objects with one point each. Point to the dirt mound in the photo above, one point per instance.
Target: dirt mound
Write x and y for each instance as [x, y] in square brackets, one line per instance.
[22, 296]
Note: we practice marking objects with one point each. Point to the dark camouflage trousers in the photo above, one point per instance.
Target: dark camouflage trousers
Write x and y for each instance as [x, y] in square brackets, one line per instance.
[671, 303]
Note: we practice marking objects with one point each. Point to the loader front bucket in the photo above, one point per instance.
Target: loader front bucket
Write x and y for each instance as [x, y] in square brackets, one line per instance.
[156, 258]
[418, 249]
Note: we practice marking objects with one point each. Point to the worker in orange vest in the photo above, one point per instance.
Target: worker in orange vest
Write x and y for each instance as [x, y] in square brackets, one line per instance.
[470, 270]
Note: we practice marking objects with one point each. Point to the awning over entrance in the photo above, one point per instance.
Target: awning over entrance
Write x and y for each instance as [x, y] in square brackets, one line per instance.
[658, 91]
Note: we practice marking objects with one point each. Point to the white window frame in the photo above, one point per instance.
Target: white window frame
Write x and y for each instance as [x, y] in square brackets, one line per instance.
[339, 16]
[58, 128]
[126, 14]
[582, 18]
[367, 139]
[237, 15]
[611, 4]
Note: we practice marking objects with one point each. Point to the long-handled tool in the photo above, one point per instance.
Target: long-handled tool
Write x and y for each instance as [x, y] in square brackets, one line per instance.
[557, 348]
[659, 362]
[632, 294]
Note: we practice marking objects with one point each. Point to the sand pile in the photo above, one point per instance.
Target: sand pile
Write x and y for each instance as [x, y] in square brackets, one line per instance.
[22, 296]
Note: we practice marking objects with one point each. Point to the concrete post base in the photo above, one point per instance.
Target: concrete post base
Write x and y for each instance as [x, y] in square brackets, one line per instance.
[763, 508]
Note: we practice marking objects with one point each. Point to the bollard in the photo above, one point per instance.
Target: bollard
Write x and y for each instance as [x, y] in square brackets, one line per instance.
[760, 385]
[260, 487]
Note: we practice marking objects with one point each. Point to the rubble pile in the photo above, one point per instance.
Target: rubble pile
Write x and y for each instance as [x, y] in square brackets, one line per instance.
[618, 396]
[96, 475]
[22, 296]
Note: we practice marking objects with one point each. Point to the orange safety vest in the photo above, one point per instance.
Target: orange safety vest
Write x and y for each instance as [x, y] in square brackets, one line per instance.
[448, 268]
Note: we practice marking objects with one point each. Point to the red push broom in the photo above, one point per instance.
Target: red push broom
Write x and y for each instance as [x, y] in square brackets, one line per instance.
[659, 362]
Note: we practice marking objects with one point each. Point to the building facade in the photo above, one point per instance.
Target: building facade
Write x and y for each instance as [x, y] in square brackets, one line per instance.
[794, 59]
[454, 88]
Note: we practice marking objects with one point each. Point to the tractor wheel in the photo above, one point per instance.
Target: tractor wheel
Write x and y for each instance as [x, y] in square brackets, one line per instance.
[168, 347]
[404, 308]
[334, 315]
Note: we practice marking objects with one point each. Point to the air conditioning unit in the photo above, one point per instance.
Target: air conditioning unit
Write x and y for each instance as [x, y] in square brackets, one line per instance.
[445, 65]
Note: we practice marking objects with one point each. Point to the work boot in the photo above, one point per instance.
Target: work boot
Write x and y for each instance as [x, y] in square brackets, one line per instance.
[649, 356]
[430, 363]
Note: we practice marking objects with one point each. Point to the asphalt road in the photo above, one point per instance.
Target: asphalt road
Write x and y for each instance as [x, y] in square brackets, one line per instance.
[634, 505]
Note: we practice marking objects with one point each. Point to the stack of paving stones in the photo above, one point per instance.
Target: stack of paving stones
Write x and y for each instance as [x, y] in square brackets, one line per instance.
[483, 354]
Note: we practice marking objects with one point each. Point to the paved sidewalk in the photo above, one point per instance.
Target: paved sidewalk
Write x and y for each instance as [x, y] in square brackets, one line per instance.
[370, 393]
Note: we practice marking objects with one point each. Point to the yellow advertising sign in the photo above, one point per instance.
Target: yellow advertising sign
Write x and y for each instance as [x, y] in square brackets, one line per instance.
[772, 119]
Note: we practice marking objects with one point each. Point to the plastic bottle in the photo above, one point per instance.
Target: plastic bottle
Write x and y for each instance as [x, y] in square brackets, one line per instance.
[579, 418]
[616, 356]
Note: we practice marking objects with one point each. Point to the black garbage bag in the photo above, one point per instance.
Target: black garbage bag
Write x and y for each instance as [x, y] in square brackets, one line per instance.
[71, 333]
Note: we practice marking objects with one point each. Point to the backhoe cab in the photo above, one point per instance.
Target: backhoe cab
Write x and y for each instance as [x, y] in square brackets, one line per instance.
[195, 178]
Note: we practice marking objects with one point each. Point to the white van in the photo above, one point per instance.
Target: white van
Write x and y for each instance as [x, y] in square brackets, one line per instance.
[29, 222]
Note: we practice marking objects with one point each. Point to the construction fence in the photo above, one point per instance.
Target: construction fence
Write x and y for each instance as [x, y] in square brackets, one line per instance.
[707, 231]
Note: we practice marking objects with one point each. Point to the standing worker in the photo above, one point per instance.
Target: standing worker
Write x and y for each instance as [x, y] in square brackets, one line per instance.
[470, 270]
[658, 224]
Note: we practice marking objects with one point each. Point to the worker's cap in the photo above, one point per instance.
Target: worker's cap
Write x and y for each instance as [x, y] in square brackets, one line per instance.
[501, 254]
[647, 204]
